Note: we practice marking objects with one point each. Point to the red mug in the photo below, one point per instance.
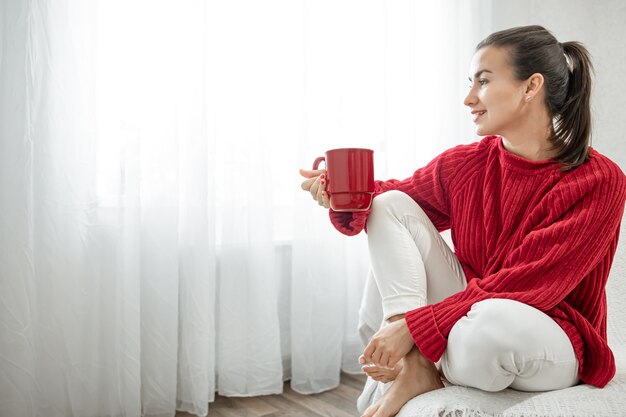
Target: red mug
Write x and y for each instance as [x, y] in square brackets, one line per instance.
[349, 178]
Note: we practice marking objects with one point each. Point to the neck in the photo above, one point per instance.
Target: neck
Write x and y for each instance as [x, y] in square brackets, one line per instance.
[529, 148]
[530, 138]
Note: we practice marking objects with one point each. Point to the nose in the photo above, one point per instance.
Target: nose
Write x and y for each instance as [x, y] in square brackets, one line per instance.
[471, 98]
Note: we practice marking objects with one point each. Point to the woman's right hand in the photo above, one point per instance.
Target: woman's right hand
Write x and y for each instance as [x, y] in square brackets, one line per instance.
[315, 184]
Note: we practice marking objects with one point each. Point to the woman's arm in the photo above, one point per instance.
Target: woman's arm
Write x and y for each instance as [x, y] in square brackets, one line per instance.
[428, 186]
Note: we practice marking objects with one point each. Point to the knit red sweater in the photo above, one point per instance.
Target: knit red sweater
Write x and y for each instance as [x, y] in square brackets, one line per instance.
[522, 230]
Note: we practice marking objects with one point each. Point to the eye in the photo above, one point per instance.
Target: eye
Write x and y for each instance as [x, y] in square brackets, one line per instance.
[481, 81]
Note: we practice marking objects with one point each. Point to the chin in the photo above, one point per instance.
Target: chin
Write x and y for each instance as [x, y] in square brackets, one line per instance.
[481, 131]
[485, 131]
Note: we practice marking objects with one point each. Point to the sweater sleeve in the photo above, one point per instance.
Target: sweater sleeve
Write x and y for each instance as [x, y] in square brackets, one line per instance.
[544, 268]
[428, 186]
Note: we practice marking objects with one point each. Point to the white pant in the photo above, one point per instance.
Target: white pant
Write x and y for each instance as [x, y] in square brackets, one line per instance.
[500, 343]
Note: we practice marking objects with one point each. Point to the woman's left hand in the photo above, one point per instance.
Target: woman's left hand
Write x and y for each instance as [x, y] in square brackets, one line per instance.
[389, 345]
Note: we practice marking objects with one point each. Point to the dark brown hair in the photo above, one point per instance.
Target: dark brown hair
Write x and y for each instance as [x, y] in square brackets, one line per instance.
[566, 68]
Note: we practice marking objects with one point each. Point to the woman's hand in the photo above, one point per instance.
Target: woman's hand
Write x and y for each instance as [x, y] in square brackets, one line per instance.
[316, 185]
[389, 345]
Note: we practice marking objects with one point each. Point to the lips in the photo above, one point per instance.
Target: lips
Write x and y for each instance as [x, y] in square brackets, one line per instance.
[478, 114]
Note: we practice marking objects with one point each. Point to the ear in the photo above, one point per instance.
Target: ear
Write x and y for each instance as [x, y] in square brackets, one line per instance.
[534, 84]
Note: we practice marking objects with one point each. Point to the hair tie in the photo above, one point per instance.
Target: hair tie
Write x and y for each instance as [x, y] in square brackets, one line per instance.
[568, 61]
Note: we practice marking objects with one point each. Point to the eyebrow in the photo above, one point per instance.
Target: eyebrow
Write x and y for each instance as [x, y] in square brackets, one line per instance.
[478, 74]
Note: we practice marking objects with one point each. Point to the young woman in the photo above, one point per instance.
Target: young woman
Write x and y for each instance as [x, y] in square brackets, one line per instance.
[534, 213]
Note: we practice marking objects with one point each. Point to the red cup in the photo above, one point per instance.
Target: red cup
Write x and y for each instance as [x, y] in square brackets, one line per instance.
[350, 178]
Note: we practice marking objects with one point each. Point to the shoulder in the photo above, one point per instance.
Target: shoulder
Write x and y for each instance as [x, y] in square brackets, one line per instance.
[599, 172]
[469, 154]
[460, 163]
[605, 168]
[599, 180]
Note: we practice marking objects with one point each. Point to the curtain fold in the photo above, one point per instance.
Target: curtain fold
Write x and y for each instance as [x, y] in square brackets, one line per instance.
[17, 341]
[155, 246]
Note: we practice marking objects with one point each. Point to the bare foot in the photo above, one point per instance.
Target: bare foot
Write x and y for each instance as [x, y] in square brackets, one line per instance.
[417, 376]
[379, 373]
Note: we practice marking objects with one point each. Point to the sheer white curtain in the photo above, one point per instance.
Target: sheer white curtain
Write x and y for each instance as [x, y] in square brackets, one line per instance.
[155, 246]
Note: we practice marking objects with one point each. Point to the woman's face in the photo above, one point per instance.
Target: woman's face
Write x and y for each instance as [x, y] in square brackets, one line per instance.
[494, 91]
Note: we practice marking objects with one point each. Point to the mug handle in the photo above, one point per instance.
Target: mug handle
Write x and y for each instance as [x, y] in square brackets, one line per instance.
[316, 165]
[317, 162]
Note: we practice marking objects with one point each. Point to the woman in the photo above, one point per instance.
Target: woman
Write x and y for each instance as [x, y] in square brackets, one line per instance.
[534, 213]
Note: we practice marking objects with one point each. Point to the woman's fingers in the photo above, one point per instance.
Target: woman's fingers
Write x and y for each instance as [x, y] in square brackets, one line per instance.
[320, 190]
[316, 184]
[325, 200]
[367, 353]
[306, 185]
[312, 176]
[376, 357]
[384, 359]
[310, 173]
[314, 188]
[372, 353]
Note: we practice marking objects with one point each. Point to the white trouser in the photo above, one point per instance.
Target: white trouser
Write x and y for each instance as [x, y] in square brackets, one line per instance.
[500, 343]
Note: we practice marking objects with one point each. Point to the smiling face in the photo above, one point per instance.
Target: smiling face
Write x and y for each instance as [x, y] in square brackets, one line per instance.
[495, 91]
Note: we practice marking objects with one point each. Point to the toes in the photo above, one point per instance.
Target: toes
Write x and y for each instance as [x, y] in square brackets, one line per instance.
[379, 374]
[381, 378]
[371, 369]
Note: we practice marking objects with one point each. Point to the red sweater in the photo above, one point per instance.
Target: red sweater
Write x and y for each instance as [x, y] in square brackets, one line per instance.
[522, 230]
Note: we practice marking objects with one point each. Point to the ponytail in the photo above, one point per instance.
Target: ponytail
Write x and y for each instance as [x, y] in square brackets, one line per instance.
[572, 127]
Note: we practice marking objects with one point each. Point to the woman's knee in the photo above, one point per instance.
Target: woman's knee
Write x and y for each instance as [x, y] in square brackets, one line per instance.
[489, 322]
[499, 341]
[395, 204]
[391, 199]
[471, 357]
